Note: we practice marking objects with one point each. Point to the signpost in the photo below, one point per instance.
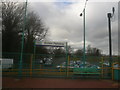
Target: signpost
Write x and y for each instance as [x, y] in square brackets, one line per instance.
[53, 44]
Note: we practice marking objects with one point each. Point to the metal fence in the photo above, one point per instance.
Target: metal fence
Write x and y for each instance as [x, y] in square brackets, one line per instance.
[42, 65]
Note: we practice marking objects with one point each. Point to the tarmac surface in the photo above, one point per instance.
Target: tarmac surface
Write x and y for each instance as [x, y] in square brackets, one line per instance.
[57, 83]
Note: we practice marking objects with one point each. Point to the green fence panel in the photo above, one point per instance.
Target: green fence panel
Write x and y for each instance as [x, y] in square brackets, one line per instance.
[116, 74]
[85, 70]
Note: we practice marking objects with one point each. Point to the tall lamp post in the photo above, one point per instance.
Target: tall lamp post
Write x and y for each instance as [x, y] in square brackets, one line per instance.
[110, 15]
[83, 13]
[22, 44]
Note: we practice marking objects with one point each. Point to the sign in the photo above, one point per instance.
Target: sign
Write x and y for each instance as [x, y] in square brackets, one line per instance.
[50, 43]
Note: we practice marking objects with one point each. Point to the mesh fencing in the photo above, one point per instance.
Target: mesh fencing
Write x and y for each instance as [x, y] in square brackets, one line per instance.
[47, 65]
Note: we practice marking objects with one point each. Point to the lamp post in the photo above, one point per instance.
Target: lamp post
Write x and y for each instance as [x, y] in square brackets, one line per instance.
[83, 13]
[110, 15]
[22, 44]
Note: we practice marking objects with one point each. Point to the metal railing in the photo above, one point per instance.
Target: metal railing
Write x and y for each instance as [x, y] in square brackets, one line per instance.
[33, 66]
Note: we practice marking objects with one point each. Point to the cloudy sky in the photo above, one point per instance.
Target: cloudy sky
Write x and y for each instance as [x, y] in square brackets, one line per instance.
[65, 24]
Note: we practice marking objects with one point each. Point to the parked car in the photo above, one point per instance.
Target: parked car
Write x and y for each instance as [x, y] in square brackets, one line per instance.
[106, 63]
[116, 66]
[48, 61]
[78, 64]
[72, 64]
[6, 63]
[95, 66]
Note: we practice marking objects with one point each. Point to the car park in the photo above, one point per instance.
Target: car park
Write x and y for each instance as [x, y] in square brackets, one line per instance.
[77, 64]
[48, 61]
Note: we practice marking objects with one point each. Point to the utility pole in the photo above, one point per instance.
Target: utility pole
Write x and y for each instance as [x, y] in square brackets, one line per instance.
[84, 57]
[22, 44]
[110, 15]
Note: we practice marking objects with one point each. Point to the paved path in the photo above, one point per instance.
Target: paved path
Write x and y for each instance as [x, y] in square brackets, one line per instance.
[56, 83]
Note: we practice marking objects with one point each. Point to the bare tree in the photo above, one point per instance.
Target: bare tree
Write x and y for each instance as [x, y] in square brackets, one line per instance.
[35, 26]
[35, 30]
[12, 17]
[93, 51]
[12, 27]
[79, 52]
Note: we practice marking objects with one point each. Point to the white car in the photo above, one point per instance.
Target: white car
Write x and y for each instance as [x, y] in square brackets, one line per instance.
[6, 63]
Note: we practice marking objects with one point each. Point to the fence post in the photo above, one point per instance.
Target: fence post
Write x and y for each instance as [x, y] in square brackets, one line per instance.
[34, 53]
[66, 59]
[68, 65]
[31, 65]
[102, 66]
[112, 71]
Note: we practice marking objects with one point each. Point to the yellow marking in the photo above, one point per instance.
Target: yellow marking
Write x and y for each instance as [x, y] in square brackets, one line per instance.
[117, 68]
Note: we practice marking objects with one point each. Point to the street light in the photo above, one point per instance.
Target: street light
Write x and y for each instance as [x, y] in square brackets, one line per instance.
[83, 13]
[110, 15]
[22, 44]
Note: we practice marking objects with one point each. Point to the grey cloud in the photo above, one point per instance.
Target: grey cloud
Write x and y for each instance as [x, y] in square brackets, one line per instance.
[65, 23]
